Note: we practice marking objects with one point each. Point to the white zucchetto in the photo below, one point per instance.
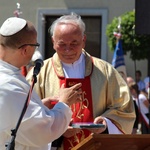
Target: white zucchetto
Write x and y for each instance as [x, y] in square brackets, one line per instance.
[12, 25]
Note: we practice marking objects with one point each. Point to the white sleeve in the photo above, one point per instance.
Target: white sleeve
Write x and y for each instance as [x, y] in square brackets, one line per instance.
[40, 125]
[142, 97]
[112, 129]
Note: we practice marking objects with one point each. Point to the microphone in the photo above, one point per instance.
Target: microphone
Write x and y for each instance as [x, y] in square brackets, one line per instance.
[36, 55]
[38, 64]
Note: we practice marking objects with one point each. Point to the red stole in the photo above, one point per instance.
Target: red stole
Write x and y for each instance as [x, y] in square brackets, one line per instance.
[82, 111]
[24, 70]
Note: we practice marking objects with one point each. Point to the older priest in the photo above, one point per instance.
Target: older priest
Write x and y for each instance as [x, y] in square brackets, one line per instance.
[105, 95]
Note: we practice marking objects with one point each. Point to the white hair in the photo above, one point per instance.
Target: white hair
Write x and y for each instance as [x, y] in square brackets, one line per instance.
[72, 18]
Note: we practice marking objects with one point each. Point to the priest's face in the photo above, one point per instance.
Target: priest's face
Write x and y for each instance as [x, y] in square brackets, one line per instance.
[68, 41]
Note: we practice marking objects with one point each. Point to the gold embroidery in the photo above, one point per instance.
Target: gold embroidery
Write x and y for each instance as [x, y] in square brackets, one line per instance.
[71, 144]
[82, 105]
[71, 83]
[76, 140]
[85, 100]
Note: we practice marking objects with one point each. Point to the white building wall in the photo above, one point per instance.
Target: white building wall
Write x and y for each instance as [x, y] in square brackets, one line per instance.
[115, 8]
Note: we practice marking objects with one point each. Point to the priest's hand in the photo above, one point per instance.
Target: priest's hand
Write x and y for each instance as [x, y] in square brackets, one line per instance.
[98, 120]
[71, 132]
[50, 101]
[70, 95]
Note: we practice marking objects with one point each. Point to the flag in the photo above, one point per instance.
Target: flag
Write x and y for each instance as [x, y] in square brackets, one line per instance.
[118, 61]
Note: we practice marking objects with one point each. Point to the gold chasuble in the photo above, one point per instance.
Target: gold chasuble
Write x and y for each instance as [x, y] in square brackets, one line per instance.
[108, 94]
[82, 111]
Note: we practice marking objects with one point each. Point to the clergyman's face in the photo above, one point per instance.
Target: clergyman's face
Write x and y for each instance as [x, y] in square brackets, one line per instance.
[68, 42]
[30, 50]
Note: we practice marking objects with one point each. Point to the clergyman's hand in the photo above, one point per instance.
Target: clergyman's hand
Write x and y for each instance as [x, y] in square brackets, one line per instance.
[71, 132]
[98, 120]
[70, 95]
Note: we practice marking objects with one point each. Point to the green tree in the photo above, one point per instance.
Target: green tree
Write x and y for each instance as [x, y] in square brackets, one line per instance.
[137, 45]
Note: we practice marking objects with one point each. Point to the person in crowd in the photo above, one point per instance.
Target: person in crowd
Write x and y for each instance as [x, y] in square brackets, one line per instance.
[147, 86]
[105, 94]
[143, 106]
[141, 84]
[40, 125]
[131, 81]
